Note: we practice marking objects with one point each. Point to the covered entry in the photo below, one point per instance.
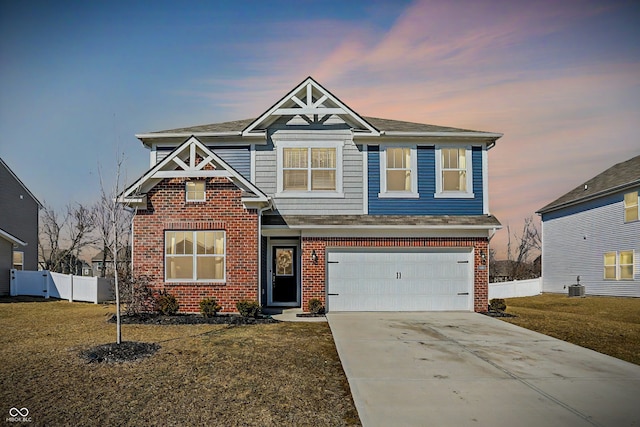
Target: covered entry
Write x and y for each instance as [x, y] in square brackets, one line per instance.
[370, 279]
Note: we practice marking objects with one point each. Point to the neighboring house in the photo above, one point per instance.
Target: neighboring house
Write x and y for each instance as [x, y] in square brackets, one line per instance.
[100, 262]
[312, 200]
[593, 232]
[18, 227]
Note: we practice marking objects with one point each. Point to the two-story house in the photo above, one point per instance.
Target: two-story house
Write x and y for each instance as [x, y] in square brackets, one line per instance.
[593, 231]
[18, 227]
[312, 200]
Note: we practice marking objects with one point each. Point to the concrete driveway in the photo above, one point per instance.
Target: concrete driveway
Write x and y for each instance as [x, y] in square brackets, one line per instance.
[459, 369]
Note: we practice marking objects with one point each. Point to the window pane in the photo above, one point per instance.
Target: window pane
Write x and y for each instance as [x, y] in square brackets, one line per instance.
[610, 258]
[195, 190]
[201, 242]
[454, 181]
[295, 180]
[626, 272]
[210, 268]
[170, 243]
[323, 158]
[398, 158]
[218, 248]
[295, 157]
[398, 180]
[631, 199]
[462, 158]
[179, 267]
[626, 257]
[323, 179]
[609, 272]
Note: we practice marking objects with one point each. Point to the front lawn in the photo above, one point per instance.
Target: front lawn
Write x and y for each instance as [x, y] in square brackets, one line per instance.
[608, 325]
[263, 375]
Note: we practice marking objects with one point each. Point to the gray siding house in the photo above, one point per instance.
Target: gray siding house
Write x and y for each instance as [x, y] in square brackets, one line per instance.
[593, 232]
[18, 227]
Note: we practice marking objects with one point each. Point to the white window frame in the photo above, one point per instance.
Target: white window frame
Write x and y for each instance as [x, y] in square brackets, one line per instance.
[13, 264]
[281, 193]
[637, 206]
[618, 265]
[454, 194]
[413, 165]
[187, 191]
[194, 255]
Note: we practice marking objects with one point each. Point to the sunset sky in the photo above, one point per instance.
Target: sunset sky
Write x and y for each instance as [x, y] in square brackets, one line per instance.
[560, 79]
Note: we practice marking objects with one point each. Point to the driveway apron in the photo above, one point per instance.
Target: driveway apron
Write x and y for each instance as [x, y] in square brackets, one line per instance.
[467, 369]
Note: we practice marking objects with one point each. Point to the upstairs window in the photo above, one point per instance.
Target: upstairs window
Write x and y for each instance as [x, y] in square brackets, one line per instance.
[453, 172]
[195, 256]
[195, 191]
[309, 171]
[398, 172]
[631, 211]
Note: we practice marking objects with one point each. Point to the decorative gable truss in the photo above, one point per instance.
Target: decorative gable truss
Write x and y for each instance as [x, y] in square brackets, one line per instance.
[314, 104]
[192, 159]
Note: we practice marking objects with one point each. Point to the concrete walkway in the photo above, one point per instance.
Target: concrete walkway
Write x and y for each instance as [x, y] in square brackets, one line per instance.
[466, 369]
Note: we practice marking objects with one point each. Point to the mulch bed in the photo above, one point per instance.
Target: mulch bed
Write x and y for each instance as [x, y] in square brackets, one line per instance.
[127, 351]
[310, 315]
[190, 319]
[492, 313]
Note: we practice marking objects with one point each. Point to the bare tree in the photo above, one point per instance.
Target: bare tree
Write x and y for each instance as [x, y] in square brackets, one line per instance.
[113, 229]
[522, 249]
[62, 237]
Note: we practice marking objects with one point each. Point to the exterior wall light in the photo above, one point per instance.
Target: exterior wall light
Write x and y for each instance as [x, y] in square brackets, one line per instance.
[314, 256]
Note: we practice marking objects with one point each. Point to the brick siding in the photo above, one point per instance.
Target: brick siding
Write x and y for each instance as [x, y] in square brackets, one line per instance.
[222, 210]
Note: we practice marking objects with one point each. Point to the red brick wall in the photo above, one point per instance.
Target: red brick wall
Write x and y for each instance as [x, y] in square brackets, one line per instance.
[223, 210]
[313, 275]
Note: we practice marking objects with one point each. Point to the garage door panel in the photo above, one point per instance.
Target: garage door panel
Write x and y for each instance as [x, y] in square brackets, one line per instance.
[399, 280]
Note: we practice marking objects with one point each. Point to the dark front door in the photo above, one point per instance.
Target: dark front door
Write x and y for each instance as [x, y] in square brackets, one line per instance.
[285, 277]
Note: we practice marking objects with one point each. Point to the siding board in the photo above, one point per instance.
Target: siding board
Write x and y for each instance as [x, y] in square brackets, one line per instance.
[427, 204]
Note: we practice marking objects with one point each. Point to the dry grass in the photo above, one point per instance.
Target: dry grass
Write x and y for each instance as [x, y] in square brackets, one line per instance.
[267, 375]
[608, 325]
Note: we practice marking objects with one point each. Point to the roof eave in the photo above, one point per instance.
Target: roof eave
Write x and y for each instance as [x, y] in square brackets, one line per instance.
[11, 238]
[608, 191]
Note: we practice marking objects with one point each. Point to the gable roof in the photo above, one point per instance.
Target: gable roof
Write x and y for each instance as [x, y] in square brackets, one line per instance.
[312, 102]
[20, 182]
[11, 238]
[618, 177]
[182, 163]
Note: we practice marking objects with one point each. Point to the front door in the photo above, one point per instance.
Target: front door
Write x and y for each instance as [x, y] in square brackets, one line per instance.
[284, 275]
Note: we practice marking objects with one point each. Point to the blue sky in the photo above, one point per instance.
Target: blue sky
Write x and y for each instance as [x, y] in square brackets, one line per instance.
[561, 80]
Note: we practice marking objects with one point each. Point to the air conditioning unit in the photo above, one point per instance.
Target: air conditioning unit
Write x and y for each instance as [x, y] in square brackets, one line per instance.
[576, 290]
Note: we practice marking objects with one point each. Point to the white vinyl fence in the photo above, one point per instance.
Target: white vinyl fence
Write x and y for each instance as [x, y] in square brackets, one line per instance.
[65, 286]
[516, 288]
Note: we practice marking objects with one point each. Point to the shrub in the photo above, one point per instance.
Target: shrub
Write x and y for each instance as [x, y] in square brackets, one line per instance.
[209, 307]
[248, 308]
[497, 304]
[315, 306]
[138, 296]
[167, 303]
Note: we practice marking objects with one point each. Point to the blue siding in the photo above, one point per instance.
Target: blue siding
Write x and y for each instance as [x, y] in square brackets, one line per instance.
[238, 158]
[426, 204]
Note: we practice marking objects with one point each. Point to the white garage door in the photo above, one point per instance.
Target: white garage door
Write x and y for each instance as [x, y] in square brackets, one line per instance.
[399, 280]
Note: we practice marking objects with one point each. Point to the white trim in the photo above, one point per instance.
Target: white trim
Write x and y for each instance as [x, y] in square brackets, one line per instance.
[252, 167]
[413, 194]
[439, 194]
[485, 180]
[365, 179]
[291, 104]
[153, 155]
[280, 193]
[11, 238]
[166, 168]
[394, 233]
